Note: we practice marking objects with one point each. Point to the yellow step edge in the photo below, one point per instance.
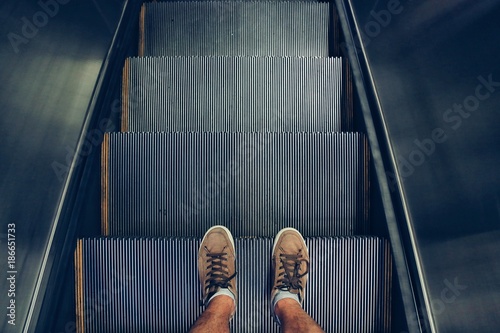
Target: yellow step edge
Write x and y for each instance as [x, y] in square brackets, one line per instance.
[125, 96]
[79, 287]
[141, 30]
[104, 185]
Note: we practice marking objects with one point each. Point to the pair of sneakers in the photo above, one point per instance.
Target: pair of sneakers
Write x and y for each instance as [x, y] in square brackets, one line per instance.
[217, 265]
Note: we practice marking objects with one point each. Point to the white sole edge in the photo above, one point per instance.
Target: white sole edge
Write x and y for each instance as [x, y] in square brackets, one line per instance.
[278, 235]
[227, 232]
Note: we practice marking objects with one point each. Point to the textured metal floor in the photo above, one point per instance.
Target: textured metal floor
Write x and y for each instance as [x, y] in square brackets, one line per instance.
[236, 94]
[180, 184]
[252, 143]
[235, 28]
[151, 285]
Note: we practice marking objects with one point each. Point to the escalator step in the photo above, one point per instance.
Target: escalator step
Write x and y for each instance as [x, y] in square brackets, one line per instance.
[236, 28]
[236, 94]
[151, 285]
[180, 184]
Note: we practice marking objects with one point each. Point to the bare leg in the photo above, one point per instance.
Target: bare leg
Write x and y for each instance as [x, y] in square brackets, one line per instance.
[217, 272]
[294, 319]
[216, 316]
[290, 262]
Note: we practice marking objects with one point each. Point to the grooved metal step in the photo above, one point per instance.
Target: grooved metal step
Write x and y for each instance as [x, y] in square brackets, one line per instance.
[234, 28]
[151, 285]
[236, 94]
[180, 184]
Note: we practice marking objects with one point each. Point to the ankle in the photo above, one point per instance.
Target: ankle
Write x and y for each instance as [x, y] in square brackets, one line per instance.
[222, 305]
[285, 306]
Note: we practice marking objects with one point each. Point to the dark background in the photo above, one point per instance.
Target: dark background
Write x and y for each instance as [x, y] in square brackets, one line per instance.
[425, 60]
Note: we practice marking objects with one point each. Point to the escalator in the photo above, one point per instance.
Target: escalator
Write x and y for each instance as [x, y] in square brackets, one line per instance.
[240, 114]
[400, 211]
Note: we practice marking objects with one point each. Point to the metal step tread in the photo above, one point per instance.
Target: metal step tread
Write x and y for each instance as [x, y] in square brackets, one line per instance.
[180, 184]
[236, 94]
[232, 28]
[151, 285]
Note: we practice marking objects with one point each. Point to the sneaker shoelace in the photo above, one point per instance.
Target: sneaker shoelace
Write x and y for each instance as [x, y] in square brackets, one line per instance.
[290, 266]
[217, 275]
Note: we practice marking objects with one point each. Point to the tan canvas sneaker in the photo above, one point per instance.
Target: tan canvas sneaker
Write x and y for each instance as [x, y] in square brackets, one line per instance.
[217, 263]
[290, 263]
